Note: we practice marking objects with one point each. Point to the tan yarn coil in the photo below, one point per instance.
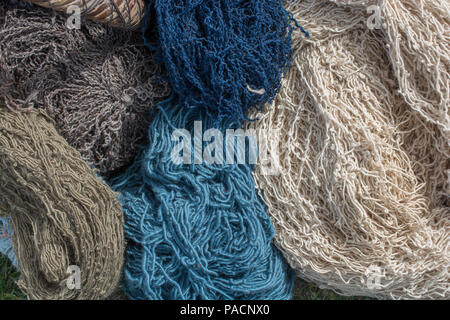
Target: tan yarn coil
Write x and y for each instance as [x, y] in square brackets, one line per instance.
[115, 13]
[61, 213]
[362, 202]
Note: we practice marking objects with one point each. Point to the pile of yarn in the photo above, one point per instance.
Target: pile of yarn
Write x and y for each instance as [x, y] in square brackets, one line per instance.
[61, 214]
[195, 231]
[361, 205]
[357, 106]
[98, 84]
[224, 56]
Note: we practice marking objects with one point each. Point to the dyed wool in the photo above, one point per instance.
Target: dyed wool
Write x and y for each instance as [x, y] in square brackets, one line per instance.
[195, 231]
[224, 56]
[62, 215]
[98, 84]
[362, 202]
[6, 247]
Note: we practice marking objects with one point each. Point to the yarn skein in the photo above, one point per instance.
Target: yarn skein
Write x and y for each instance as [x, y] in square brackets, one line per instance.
[61, 213]
[224, 56]
[362, 202]
[195, 231]
[98, 84]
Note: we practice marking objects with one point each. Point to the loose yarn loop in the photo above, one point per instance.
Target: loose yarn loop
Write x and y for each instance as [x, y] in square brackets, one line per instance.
[195, 231]
[224, 56]
[61, 213]
[97, 83]
[362, 202]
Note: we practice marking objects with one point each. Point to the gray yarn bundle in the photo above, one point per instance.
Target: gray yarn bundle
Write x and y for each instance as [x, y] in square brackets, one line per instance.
[98, 84]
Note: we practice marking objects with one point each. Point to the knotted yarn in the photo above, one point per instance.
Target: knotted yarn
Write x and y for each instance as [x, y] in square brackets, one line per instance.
[224, 56]
[195, 231]
[361, 205]
[98, 84]
[61, 214]
[6, 247]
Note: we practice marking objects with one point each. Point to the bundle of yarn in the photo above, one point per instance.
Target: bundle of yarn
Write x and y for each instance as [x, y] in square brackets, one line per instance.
[223, 56]
[6, 247]
[195, 230]
[362, 202]
[98, 84]
[63, 217]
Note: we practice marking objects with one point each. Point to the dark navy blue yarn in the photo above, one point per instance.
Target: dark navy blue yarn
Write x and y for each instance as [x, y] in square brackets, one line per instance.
[214, 50]
[195, 231]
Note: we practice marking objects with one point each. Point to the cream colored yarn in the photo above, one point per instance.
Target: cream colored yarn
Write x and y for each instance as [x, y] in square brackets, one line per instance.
[418, 38]
[362, 202]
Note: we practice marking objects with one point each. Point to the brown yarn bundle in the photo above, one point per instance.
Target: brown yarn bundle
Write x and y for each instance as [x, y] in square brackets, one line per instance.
[98, 84]
[361, 205]
[61, 213]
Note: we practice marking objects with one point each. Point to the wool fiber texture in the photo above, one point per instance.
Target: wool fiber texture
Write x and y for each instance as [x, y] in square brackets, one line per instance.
[223, 56]
[361, 205]
[62, 215]
[418, 43]
[98, 84]
[196, 231]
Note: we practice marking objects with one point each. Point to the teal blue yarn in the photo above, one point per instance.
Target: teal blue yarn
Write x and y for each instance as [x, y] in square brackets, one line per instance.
[6, 247]
[195, 231]
[215, 50]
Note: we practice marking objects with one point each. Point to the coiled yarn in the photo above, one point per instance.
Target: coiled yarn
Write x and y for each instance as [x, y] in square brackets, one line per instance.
[195, 231]
[98, 84]
[224, 56]
[362, 203]
[62, 215]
